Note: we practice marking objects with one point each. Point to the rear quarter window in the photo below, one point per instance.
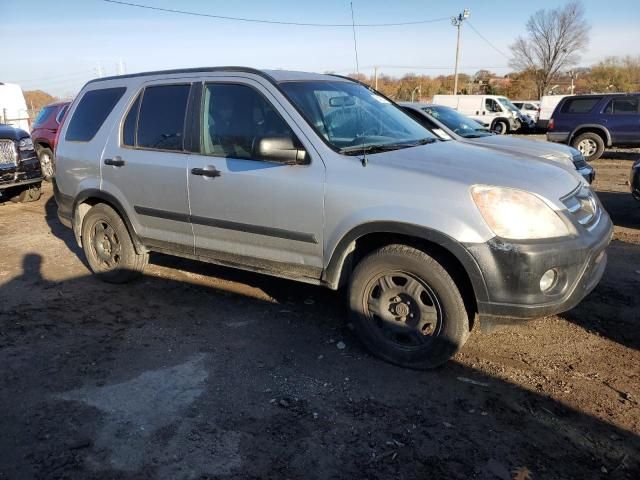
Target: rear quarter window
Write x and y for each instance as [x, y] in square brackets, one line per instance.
[580, 105]
[93, 109]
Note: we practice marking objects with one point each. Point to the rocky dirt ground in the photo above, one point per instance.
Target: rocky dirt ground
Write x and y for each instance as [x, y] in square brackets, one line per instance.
[197, 371]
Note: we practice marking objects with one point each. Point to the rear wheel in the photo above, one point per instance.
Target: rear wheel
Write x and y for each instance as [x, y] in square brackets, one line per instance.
[406, 308]
[590, 144]
[29, 193]
[46, 163]
[108, 246]
[500, 127]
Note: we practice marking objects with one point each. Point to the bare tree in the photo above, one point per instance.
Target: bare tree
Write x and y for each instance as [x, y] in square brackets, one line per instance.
[552, 44]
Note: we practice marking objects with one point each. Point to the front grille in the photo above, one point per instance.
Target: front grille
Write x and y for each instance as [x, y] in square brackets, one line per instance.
[8, 153]
[583, 205]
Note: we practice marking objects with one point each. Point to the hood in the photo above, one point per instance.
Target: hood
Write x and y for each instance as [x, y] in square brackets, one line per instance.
[11, 133]
[467, 164]
[547, 150]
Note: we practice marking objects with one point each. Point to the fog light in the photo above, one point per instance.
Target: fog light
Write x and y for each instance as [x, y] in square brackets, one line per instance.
[548, 279]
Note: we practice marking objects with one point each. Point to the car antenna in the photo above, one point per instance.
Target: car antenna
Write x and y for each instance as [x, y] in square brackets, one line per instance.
[363, 160]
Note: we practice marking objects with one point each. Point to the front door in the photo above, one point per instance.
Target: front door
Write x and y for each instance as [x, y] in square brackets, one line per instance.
[262, 214]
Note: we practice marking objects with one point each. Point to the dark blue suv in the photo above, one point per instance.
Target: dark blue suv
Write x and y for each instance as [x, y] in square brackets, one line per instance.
[592, 122]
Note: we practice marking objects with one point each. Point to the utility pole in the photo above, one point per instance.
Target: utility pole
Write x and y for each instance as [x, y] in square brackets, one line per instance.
[457, 22]
[375, 76]
[574, 76]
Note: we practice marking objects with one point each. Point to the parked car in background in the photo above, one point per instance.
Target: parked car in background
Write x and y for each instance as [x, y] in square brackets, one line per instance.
[43, 134]
[321, 179]
[634, 180]
[447, 124]
[13, 107]
[548, 104]
[20, 174]
[529, 107]
[592, 122]
[493, 111]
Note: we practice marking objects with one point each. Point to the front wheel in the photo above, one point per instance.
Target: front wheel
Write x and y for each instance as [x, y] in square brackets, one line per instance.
[406, 308]
[500, 127]
[30, 193]
[45, 155]
[108, 246]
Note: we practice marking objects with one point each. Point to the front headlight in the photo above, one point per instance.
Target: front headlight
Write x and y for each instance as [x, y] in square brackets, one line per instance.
[25, 144]
[516, 214]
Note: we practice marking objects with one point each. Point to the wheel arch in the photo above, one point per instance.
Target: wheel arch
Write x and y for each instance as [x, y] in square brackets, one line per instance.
[87, 199]
[594, 128]
[365, 238]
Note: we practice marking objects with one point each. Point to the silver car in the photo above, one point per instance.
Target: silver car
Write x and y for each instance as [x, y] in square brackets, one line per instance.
[448, 124]
[320, 179]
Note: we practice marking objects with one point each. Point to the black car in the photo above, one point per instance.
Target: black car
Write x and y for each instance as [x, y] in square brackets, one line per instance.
[591, 123]
[20, 173]
[634, 180]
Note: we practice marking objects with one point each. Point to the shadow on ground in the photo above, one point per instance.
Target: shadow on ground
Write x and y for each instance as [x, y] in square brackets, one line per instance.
[173, 379]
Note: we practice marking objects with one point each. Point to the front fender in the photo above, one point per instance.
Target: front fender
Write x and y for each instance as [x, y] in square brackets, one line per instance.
[333, 271]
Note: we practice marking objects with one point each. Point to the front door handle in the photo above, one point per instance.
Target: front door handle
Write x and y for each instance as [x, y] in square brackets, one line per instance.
[115, 161]
[210, 171]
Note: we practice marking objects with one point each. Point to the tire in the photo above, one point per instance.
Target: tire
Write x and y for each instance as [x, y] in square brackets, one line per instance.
[45, 155]
[590, 144]
[114, 259]
[500, 127]
[30, 193]
[406, 308]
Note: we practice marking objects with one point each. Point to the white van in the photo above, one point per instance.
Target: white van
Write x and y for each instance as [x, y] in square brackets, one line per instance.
[548, 104]
[493, 111]
[13, 107]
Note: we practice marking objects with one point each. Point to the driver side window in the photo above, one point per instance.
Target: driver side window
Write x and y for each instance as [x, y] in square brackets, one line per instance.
[235, 118]
[491, 105]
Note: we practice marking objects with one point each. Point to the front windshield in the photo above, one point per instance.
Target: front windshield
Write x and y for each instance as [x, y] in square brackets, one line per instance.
[351, 117]
[463, 126]
[507, 103]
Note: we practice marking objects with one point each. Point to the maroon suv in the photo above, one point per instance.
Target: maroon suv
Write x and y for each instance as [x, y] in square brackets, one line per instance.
[43, 134]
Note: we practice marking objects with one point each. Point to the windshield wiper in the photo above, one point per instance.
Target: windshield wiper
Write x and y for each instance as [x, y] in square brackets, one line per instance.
[385, 147]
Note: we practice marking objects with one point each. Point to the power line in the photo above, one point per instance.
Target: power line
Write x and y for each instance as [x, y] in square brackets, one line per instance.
[487, 41]
[274, 22]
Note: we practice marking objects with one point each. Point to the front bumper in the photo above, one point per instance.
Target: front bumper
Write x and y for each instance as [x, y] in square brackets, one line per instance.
[558, 137]
[25, 173]
[588, 173]
[512, 272]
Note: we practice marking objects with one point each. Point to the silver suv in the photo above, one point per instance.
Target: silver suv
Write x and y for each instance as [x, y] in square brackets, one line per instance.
[321, 179]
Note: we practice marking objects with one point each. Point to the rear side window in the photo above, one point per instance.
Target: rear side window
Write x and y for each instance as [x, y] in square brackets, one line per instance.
[623, 106]
[44, 116]
[580, 105]
[93, 109]
[161, 117]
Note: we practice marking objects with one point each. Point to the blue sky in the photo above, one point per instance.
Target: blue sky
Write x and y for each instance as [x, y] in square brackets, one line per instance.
[58, 45]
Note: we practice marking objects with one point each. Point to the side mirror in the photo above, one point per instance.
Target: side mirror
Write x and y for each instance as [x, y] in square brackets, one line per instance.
[280, 149]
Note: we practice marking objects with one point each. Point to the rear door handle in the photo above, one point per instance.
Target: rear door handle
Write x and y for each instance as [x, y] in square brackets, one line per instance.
[115, 162]
[210, 171]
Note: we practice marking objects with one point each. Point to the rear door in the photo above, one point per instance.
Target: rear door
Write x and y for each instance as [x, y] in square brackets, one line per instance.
[622, 118]
[145, 162]
[253, 212]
